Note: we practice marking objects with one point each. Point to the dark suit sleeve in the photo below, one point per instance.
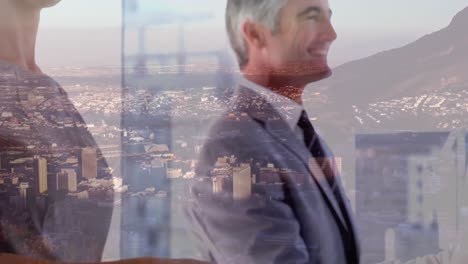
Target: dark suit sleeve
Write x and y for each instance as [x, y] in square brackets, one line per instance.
[251, 231]
[260, 229]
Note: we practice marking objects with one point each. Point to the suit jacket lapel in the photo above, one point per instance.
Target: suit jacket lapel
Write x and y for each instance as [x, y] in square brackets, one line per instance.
[256, 107]
[351, 219]
[329, 153]
[294, 145]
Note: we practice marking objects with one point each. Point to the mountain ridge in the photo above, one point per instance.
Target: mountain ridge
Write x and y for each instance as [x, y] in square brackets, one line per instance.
[414, 68]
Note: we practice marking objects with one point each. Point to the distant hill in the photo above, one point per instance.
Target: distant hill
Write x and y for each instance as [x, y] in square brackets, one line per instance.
[420, 86]
[416, 68]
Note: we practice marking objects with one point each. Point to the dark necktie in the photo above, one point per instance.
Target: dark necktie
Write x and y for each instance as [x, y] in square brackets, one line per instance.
[312, 142]
[310, 137]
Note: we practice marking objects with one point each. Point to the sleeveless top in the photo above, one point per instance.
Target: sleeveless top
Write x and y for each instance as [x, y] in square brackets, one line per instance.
[47, 208]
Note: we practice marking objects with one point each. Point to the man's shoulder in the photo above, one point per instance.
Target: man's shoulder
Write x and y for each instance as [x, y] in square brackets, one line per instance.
[245, 107]
[235, 119]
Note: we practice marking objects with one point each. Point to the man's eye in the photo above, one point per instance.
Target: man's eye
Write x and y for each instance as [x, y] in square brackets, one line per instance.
[313, 16]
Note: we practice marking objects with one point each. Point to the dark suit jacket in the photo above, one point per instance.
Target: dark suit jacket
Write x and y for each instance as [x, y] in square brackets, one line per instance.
[289, 220]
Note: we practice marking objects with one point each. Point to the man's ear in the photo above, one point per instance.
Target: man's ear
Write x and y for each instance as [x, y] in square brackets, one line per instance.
[254, 34]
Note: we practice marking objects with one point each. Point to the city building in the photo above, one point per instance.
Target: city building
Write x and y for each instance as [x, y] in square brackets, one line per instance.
[406, 183]
[269, 174]
[40, 174]
[173, 173]
[23, 189]
[242, 182]
[88, 163]
[218, 184]
[66, 180]
[299, 178]
[72, 179]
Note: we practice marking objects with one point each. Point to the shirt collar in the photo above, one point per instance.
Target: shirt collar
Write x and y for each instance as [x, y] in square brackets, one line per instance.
[289, 110]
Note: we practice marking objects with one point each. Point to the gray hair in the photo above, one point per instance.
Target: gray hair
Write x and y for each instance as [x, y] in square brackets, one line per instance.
[265, 12]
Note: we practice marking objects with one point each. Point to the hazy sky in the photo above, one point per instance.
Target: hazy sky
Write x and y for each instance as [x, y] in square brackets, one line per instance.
[87, 32]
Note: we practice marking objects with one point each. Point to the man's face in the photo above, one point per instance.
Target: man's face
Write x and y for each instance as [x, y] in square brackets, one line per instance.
[37, 3]
[301, 44]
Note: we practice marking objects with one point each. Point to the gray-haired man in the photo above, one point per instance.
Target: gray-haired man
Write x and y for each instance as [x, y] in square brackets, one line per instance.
[295, 210]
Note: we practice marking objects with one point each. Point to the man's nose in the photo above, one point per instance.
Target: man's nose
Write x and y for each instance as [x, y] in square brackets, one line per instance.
[329, 33]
